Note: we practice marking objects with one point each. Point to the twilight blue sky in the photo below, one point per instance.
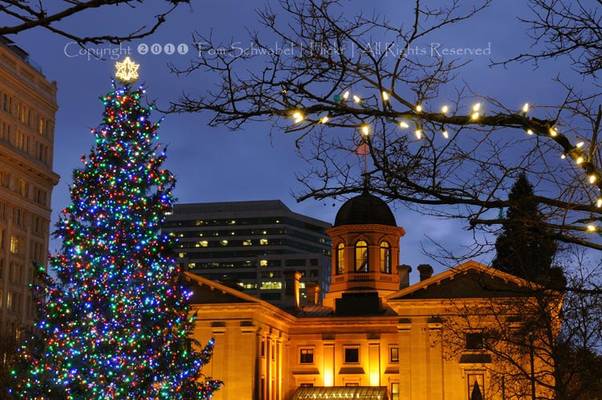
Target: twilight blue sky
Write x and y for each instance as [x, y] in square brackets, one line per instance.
[214, 164]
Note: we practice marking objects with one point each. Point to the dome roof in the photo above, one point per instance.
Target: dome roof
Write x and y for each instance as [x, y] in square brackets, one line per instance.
[365, 209]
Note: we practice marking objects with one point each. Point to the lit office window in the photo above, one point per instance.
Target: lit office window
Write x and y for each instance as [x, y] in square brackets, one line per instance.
[15, 245]
[271, 285]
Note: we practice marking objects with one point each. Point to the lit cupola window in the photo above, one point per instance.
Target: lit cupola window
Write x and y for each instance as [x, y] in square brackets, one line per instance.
[340, 258]
[385, 257]
[361, 256]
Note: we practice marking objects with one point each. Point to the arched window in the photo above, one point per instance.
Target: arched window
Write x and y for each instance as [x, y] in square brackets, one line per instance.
[361, 256]
[340, 258]
[385, 257]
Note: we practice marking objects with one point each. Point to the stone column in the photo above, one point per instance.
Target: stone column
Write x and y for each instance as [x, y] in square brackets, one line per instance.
[328, 363]
[405, 361]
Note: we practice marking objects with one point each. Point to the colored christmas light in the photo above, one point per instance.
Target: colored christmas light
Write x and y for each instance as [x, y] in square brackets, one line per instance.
[115, 322]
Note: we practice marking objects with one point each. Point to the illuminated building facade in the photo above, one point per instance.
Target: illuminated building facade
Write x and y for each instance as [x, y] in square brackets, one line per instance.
[260, 247]
[374, 337]
[27, 110]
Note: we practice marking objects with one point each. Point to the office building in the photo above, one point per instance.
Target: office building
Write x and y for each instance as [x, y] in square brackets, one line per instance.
[27, 112]
[260, 247]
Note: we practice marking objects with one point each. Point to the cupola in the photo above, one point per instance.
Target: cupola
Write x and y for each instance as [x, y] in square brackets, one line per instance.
[365, 255]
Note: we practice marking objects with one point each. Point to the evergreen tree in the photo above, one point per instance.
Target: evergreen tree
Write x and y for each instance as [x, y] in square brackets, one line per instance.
[525, 247]
[115, 323]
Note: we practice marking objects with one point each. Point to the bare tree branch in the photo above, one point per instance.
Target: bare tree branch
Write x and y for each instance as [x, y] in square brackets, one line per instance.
[22, 15]
[353, 81]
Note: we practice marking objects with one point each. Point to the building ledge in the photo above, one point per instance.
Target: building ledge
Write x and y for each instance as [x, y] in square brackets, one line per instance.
[308, 371]
[351, 371]
[475, 359]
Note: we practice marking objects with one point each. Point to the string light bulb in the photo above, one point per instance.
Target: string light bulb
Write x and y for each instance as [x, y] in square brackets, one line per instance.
[530, 132]
[419, 108]
[579, 145]
[599, 202]
[553, 132]
[445, 134]
[579, 160]
[346, 95]
[476, 114]
[385, 96]
[298, 117]
[525, 108]
[324, 119]
[403, 125]
[357, 99]
[593, 178]
[365, 130]
[418, 133]
[591, 228]
[444, 109]
[563, 156]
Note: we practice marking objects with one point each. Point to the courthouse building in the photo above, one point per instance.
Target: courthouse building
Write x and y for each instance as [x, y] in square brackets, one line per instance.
[375, 336]
[27, 109]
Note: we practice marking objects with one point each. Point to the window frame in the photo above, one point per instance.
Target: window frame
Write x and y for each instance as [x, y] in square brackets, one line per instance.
[351, 347]
[473, 377]
[393, 350]
[311, 352]
[340, 258]
[472, 337]
[394, 393]
[357, 247]
[386, 260]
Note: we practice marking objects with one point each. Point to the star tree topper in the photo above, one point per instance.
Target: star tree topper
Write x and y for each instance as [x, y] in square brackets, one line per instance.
[126, 71]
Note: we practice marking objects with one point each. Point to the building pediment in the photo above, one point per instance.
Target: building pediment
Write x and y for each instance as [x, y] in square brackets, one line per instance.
[467, 280]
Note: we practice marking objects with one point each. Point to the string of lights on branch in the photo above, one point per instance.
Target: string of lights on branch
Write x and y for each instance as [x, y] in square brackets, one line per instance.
[415, 115]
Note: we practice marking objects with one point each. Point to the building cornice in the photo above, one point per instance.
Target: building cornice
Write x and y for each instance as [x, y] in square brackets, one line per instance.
[46, 95]
[363, 228]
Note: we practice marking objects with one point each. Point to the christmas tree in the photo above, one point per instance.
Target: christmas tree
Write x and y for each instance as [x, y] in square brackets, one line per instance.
[115, 322]
[525, 247]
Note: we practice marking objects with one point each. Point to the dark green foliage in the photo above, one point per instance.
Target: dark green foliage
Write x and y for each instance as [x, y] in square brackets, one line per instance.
[525, 247]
